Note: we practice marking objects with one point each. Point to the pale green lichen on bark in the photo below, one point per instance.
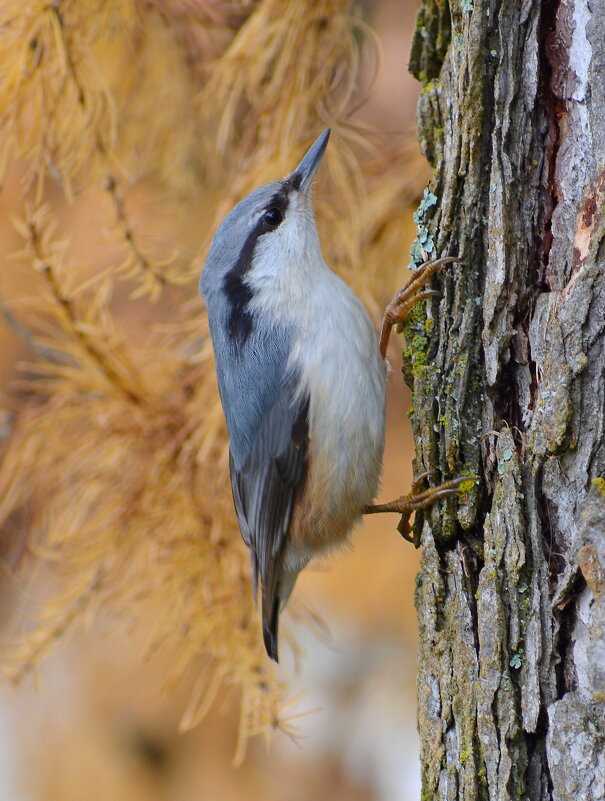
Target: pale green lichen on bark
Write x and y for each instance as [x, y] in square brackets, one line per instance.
[476, 690]
[456, 362]
[431, 40]
[430, 132]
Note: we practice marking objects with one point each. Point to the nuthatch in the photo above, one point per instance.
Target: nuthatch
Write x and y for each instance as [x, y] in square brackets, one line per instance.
[302, 382]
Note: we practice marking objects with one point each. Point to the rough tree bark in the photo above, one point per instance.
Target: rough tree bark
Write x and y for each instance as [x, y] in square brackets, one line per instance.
[508, 379]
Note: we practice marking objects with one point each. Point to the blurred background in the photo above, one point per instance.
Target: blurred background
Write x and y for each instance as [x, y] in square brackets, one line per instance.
[89, 709]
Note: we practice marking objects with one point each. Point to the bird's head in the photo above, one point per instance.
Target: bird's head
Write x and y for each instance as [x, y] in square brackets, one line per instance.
[271, 227]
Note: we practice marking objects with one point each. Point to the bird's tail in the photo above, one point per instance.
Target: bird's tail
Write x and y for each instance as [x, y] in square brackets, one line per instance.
[275, 597]
[270, 614]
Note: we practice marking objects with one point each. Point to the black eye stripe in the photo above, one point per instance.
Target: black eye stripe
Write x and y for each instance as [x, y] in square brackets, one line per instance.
[240, 321]
[275, 210]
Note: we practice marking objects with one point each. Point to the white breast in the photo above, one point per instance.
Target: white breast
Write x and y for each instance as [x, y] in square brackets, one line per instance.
[342, 371]
[335, 351]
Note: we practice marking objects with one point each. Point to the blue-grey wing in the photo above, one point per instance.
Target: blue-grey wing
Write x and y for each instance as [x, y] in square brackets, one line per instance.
[265, 486]
[267, 422]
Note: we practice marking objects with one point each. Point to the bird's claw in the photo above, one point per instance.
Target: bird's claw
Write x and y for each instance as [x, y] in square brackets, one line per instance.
[408, 296]
[416, 500]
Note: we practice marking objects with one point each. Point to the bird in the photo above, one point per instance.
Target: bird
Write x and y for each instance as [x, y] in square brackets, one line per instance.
[301, 374]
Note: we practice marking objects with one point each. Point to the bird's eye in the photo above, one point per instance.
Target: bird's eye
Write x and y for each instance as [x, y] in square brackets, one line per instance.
[273, 217]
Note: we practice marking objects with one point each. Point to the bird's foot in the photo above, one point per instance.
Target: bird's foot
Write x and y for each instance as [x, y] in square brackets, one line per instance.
[417, 500]
[408, 296]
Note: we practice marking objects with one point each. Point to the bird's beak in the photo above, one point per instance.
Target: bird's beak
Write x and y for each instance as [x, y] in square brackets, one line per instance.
[311, 161]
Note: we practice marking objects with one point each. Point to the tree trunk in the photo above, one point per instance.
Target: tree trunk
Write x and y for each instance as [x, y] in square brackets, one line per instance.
[508, 382]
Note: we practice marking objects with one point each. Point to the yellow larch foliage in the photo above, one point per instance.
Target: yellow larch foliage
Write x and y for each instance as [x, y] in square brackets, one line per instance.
[116, 444]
